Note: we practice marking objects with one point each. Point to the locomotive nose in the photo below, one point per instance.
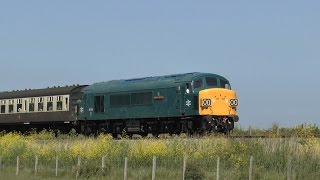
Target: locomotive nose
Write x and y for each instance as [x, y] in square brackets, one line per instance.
[218, 102]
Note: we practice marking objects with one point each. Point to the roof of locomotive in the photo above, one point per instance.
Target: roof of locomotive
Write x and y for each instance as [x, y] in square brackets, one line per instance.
[146, 82]
[38, 92]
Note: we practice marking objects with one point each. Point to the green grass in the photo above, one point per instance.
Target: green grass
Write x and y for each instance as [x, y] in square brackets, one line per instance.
[270, 157]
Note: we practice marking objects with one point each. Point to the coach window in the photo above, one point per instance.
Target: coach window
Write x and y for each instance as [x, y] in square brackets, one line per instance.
[3, 107]
[31, 107]
[59, 103]
[49, 103]
[31, 104]
[11, 102]
[40, 104]
[10, 108]
[19, 105]
[98, 104]
[212, 82]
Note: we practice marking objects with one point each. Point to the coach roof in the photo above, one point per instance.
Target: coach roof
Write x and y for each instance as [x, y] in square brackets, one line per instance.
[38, 92]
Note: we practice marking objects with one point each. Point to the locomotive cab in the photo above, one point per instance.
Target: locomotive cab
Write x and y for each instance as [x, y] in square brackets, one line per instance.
[217, 103]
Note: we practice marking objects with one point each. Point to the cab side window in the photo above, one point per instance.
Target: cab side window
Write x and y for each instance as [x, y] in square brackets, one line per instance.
[188, 88]
[224, 84]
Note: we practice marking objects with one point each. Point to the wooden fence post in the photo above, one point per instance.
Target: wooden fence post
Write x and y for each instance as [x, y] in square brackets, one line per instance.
[250, 167]
[218, 168]
[184, 167]
[154, 165]
[36, 166]
[125, 172]
[289, 169]
[78, 167]
[17, 171]
[103, 164]
[57, 162]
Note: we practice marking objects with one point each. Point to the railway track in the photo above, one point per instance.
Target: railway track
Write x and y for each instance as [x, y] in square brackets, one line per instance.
[249, 137]
[166, 136]
[265, 136]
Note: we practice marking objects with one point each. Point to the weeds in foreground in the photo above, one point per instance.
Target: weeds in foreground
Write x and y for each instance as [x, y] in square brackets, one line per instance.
[270, 155]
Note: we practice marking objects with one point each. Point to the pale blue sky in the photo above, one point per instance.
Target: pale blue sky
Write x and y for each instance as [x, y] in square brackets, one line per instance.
[269, 50]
